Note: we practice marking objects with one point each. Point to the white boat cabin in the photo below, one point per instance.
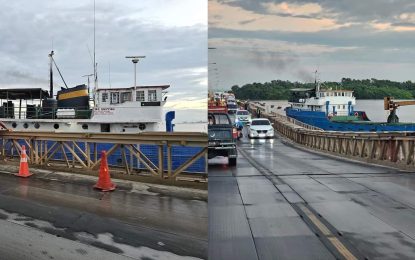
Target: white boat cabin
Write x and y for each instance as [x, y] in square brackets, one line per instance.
[135, 104]
[332, 102]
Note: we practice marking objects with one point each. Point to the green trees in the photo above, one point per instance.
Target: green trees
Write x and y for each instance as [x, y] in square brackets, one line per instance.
[363, 89]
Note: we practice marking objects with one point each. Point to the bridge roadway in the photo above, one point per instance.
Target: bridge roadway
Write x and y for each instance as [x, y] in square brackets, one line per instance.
[59, 216]
[284, 202]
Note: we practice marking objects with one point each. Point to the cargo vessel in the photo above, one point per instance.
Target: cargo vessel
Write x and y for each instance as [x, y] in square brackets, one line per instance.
[333, 110]
[78, 109]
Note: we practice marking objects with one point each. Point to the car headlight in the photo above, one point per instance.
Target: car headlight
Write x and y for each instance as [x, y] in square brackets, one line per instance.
[236, 120]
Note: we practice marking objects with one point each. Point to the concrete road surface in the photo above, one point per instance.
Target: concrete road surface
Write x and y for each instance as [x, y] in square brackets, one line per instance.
[282, 202]
[55, 217]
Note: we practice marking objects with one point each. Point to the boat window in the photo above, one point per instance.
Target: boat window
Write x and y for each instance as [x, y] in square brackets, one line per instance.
[152, 95]
[115, 97]
[139, 95]
[125, 96]
[104, 97]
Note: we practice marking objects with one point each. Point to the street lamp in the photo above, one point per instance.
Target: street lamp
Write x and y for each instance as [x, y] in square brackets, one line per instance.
[135, 60]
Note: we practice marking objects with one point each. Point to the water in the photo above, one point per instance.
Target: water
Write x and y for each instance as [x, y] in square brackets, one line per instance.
[373, 108]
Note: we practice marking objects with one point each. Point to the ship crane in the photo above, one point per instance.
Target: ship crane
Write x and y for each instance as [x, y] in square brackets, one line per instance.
[391, 105]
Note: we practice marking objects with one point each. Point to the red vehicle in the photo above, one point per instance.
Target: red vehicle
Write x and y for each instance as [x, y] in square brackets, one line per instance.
[217, 107]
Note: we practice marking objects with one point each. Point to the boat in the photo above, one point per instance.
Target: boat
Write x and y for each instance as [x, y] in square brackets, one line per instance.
[333, 110]
[131, 109]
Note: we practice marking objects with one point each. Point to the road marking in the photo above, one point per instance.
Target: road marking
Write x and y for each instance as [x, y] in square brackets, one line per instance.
[341, 248]
[316, 221]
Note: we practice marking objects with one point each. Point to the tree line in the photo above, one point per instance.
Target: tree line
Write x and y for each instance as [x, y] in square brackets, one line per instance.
[363, 89]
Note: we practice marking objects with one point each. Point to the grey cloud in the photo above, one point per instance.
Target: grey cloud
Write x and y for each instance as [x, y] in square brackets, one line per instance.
[247, 21]
[26, 42]
[342, 10]
[357, 50]
[353, 36]
[15, 76]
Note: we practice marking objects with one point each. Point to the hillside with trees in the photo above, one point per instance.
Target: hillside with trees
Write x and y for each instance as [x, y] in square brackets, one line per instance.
[363, 89]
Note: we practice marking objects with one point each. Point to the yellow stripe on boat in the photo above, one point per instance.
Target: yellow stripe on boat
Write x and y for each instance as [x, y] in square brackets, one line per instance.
[73, 94]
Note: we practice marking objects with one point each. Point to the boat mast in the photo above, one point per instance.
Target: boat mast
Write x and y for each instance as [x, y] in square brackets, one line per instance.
[316, 82]
[95, 64]
[51, 74]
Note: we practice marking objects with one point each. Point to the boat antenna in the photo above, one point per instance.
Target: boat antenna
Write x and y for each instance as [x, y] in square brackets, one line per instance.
[109, 73]
[95, 63]
[89, 75]
[90, 55]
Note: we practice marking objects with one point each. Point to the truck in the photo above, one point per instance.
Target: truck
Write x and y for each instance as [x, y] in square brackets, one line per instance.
[217, 106]
[222, 137]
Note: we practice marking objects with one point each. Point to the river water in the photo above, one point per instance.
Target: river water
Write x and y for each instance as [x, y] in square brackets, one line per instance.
[373, 108]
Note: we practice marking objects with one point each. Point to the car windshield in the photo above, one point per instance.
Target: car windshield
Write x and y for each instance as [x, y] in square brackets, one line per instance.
[232, 106]
[260, 122]
[244, 113]
[218, 119]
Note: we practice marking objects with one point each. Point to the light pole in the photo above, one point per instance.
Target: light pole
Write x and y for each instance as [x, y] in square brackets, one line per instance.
[135, 60]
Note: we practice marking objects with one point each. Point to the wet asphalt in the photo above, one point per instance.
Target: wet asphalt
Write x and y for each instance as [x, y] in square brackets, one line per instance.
[121, 222]
[258, 210]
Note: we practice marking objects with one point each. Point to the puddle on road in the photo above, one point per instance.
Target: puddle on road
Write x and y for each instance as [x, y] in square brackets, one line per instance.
[134, 252]
[28, 221]
[104, 240]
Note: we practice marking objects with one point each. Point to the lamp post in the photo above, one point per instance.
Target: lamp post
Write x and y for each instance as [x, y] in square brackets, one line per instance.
[135, 60]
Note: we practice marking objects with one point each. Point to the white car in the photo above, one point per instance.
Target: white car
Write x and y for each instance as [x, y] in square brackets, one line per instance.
[261, 128]
[243, 116]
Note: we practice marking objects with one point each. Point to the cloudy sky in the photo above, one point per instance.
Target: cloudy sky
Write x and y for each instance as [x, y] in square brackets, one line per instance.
[263, 40]
[171, 33]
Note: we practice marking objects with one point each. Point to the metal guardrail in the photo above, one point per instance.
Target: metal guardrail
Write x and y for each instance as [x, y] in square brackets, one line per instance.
[387, 148]
[83, 149]
[254, 106]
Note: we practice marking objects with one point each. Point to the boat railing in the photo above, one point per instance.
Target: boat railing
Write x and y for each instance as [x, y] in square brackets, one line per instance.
[295, 121]
[37, 112]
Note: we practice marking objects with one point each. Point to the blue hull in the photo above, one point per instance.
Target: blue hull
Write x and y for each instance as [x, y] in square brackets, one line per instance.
[320, 120]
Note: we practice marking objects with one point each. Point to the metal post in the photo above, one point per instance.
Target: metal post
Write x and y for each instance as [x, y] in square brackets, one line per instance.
[135, 74]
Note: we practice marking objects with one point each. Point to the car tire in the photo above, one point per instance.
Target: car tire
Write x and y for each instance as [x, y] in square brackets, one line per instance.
[232, 162]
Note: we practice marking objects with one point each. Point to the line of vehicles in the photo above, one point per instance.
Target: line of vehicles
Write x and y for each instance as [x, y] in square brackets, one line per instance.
[226, 122]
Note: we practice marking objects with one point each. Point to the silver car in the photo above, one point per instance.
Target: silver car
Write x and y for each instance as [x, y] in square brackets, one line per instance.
[243, 116]
[261, 128]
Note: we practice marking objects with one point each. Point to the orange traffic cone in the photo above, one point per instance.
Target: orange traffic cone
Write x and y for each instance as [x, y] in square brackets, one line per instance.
[24, 166]
[104, 180]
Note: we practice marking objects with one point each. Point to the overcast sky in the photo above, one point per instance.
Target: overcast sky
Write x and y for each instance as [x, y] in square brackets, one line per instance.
[171, 33]
[263, 40]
